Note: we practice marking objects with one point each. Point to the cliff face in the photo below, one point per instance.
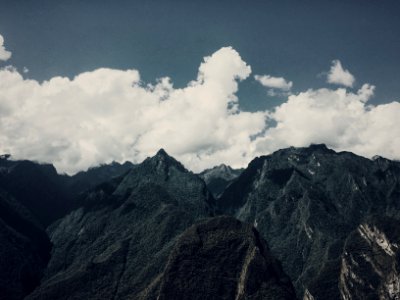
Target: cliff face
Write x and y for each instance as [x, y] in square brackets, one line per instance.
[222, 258]
[370, 262]
[306, 201]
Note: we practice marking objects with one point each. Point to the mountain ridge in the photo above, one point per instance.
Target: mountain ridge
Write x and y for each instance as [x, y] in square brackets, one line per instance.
[318, 210]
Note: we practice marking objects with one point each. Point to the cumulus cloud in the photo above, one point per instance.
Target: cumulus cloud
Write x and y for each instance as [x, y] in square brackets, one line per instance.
[276, 85]
[109, 114]
[338, 118]
[340, 76]
[4, 54]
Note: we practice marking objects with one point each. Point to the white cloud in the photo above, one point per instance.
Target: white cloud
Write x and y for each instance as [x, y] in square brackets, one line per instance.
[338, 118]
[279, 83]
[108, 114]
[276, 85]
[4, 54]
[340, 76]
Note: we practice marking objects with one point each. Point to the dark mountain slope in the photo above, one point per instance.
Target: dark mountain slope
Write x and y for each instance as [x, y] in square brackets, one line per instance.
[47, 194]
[306, 201]
[223, 258]
[219, 177]
[118, 243]
[86, 180]
[24, 249]
[36, 186]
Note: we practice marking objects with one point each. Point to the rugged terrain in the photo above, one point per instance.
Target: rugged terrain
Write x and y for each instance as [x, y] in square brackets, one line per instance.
[124, 231]
[116, 245]
[306, 202]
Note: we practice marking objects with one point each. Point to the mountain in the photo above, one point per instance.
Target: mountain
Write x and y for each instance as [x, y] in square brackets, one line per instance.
[116, 245]
[85, 180]
[219, 177]
[222, 258]
[37, 187]
[306, 202]
[24, 249]
[47, 194]
[121, 231]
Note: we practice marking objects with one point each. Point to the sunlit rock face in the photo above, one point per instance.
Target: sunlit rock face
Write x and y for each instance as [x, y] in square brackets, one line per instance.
[370, 266]
[117, 243]
[222, 258]
[306, 201]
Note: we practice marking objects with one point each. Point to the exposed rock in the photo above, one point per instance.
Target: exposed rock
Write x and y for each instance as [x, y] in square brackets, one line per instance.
[223, 258]
[219, 177]
[370, 263]
[306, 201]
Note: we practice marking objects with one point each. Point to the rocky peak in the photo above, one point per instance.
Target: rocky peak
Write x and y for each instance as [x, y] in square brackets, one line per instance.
[162, 152]
[120, 239]
[219, 177]
[162, 162]
[222, 171]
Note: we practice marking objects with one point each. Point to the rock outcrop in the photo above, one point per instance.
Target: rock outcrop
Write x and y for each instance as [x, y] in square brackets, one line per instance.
[370, 262]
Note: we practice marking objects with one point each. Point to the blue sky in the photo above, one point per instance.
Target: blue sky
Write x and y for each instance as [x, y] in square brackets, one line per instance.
[293, 39]
[330, 73]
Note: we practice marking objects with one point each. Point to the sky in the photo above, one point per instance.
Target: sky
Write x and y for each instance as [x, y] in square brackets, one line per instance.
[89, 82]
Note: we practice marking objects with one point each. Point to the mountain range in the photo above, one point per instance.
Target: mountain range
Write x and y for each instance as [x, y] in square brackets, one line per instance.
[300, 223]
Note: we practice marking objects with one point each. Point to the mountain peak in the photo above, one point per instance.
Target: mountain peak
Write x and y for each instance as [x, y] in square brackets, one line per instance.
[164, 161]
[319, 147]
[162, 152]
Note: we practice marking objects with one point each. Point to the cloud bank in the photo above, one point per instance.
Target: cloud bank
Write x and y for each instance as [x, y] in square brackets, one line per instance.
[109, 114]
[338, 75]
[4, 54]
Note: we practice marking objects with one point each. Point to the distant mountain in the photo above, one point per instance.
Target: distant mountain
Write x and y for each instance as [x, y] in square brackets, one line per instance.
[117, 244]
[219, 177]
[222, 258]
[47, 194]
[37, 187]
[86, 180]
[306, 202]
